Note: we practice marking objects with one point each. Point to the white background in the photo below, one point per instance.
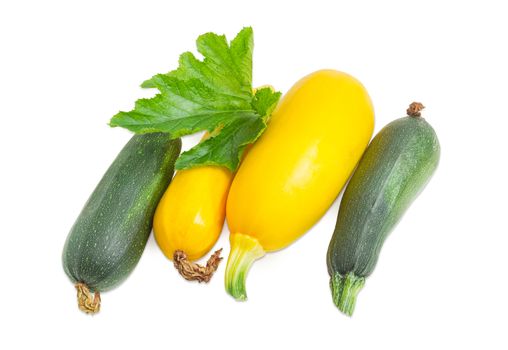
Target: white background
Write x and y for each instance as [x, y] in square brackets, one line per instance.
[66, 67]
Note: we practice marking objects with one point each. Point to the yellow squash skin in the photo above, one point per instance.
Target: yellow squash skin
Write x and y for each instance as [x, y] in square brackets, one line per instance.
[191, 213]
[296, 169]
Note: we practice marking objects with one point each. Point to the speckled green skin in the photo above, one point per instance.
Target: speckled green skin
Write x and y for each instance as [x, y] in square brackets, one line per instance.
[394, 169]
[109, 236]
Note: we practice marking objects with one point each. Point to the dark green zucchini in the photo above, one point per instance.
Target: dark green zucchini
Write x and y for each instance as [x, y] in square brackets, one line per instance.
[393, 170]
[109, 236]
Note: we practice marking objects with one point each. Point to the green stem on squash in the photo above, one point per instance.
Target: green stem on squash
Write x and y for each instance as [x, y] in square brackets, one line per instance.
[345, 290]
[244, 251]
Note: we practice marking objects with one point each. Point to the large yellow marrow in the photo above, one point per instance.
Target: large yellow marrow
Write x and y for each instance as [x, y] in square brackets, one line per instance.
[293, 173]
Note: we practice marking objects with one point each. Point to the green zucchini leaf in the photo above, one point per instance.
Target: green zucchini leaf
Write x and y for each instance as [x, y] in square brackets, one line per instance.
[212, 94]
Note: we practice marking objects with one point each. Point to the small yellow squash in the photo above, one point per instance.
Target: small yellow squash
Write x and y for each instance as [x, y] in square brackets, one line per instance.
[190, 216]
[296, 169]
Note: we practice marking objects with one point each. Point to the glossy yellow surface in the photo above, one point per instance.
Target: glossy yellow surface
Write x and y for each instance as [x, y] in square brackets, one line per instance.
[297, 168]
[191, 213]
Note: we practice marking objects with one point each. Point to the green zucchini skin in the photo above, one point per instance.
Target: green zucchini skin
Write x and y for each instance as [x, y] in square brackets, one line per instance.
[109, 236]
[393, 170]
